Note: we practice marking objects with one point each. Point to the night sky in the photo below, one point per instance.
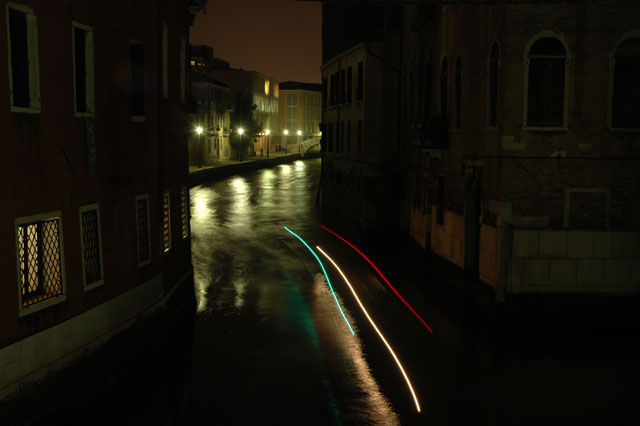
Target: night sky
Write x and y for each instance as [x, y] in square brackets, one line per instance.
[279, 38]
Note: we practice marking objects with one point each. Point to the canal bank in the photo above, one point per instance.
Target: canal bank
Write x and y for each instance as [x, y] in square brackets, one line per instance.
[222, 170]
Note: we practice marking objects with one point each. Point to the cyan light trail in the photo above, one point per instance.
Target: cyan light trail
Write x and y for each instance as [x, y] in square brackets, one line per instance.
[393, 354]
[326, 276]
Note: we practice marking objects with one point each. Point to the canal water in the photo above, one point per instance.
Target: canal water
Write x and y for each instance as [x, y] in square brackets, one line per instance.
[272, 344]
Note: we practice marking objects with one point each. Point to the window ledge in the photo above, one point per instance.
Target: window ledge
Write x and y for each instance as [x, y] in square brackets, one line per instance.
[144, 263]
[25, 110]
[545, 129]
[138, 118]
[624, 129]
[42, 305]
[93, 285]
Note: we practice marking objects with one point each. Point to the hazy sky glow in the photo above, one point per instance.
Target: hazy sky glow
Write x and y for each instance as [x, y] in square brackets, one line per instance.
[279, 38]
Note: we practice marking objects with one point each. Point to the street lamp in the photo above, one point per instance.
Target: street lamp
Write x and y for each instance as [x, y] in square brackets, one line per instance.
[268, 132]
[199, 132]
[286, 145]
[299, 133]
[240, 132]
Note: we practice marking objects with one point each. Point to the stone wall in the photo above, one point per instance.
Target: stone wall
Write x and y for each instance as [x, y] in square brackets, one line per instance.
[576, 261]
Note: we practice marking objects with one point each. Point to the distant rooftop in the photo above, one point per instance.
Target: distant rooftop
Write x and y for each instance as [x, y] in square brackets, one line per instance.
[298, 85]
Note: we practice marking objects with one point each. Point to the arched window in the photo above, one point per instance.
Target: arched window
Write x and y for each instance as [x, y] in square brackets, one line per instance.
[492, 98]
[458, 88]
[545, 79]
[625, 103]
[443, 89]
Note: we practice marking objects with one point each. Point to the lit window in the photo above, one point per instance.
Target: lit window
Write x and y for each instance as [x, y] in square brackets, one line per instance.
[166, 221]
[266, 87]
[24, 78]
[142, 221]
[91, 245]
[545, 79]
[40, 258]
[625, 108]
[184, 210]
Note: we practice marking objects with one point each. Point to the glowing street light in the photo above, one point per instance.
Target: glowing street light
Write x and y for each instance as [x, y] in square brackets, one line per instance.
[199, 133]
[286, 145]
[240, 132]
[267, 133]
[299, 133]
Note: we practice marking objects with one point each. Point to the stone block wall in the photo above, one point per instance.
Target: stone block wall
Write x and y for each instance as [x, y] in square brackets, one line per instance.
[575, 261]
[447, 240]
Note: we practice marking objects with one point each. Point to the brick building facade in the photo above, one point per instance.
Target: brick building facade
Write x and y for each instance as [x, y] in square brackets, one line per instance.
[94, 228]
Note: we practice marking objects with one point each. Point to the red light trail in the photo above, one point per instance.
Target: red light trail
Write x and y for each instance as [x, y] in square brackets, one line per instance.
[381, 276]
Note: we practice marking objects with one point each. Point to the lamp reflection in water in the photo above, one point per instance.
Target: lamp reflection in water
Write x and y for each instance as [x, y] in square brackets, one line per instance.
[373, 324]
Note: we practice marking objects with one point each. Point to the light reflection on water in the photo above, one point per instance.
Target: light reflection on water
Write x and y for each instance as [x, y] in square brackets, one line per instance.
[236, 225]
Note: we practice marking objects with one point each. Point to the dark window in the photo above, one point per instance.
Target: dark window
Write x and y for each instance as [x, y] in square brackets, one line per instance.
[343, 82]
[440, 211]
[427, 91]
[19, 58]
[359, 137]
[545, 94]
[324, 93]
[80, 45]
[458, 81]
[626, 85]
[492, 113]
[349, 84]
[443, 89]
[360, 86]
[349, 137]
[333, 90]
[330, 138]
[137, 79]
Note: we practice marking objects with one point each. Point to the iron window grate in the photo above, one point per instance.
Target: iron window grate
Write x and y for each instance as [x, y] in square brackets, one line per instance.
[142, 210]
[184, 212]
[166, 221]
[91, 246]
[40, 261]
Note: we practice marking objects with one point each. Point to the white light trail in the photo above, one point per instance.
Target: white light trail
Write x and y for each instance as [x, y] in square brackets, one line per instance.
[404, 374]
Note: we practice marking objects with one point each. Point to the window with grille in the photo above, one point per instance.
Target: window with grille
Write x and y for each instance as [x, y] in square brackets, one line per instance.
[166, 222]
[142, 221]
[40, 259]
[91, 245]
[184, 211]
[24, 78]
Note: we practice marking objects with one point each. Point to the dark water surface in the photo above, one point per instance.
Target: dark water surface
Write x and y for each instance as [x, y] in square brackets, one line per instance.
[269, 346]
